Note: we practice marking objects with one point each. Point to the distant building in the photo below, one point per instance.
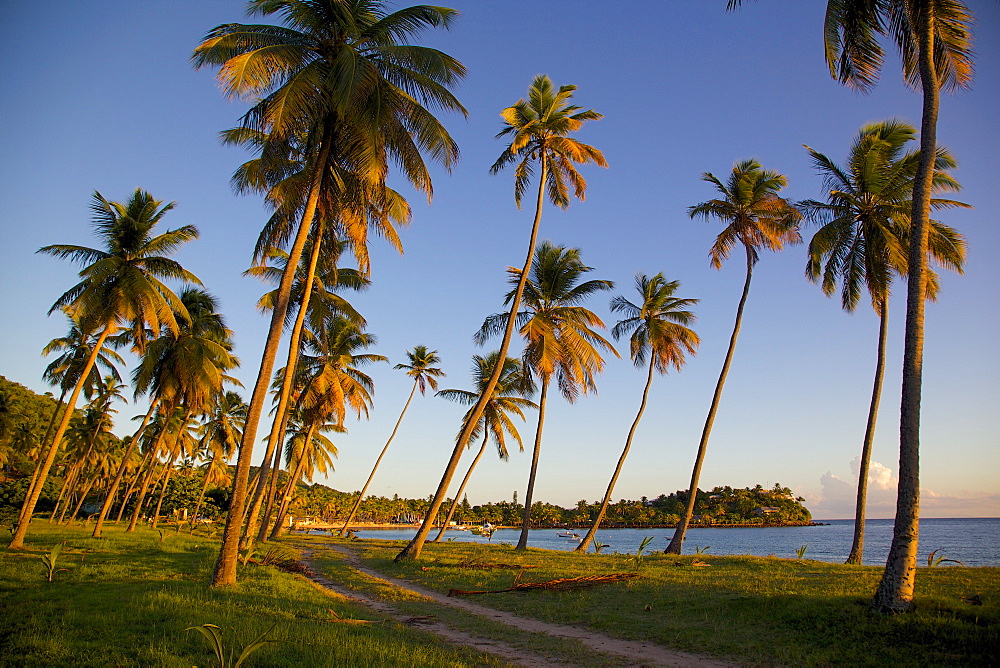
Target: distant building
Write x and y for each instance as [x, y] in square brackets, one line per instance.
[766, 510]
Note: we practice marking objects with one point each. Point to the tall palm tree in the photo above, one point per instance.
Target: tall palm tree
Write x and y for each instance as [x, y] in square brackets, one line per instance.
[509, 398]
[935, 41]
[339, 79]
[314, 292]
[757, 218]
[862, 244]
[120, 288]
[424, 375]
[659, 332]
[307, 446]
[539, 128]
[561, 339]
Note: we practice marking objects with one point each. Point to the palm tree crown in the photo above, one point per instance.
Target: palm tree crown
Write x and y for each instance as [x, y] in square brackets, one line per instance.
[658, 324]
[421, 367]
[538, 128]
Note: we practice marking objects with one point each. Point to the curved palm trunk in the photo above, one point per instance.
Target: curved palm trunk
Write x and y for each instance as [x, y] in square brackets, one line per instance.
[83, 497]
[858, 546]
[287, 496]
[585, 543]
[140, 499]
[461, 489]
[113, 488]
[676, 542]
[895, 591]
[225, 566]
[412, 550]
[140, 472]
[361, 496]
[43, 453]
[163, 488]
[286, 387]
[272, 490]
[65, 491]
[204, 488]
[28, 509]
[522, 541]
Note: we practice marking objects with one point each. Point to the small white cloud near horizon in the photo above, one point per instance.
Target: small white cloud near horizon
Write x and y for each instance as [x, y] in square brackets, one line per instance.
[837, 497]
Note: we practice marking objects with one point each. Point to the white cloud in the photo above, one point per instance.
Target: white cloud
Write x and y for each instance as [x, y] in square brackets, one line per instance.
[837, 497]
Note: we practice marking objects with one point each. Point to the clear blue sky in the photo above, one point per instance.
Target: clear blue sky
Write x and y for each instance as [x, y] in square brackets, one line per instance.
[101, 96]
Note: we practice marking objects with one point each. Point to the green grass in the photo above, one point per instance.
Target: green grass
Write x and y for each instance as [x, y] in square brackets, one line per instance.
[762, 611]
[126, 599]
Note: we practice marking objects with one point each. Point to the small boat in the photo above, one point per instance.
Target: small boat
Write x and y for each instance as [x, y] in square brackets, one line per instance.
[566, 534]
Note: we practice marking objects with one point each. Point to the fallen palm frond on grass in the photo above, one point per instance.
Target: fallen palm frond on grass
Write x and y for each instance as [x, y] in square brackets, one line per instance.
[561, 584]
[475, 564]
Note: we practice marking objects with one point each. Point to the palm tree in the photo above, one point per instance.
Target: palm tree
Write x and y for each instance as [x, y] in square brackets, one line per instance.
[935, 42]
[659, 332]
[315, 280]
[424, 375]
[561, 340]
[509, 398]
[539, 128]
[306, 448]
[757, 218]
[339, 80]
[120, 287]
[862, 243]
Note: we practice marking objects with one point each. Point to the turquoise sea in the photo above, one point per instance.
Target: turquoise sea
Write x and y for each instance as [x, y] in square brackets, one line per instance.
[973, 541]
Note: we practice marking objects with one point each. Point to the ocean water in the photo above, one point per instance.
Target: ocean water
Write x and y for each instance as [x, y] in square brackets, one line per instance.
[973, 541]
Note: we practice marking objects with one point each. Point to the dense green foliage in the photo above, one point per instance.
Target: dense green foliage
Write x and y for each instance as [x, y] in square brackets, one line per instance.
[24, 419]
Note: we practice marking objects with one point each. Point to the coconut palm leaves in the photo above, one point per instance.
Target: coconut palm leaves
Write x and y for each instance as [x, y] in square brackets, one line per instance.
[120, 287]
[658, 332]
[756, 217]
[863, 244]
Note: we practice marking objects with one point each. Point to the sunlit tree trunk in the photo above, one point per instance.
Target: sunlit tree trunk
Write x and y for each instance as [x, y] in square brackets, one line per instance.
[412, 550]
[272, 491]
[361, 496]
[225, 566]
[286, 498]
[895, 591]
[858, 546]
[522, 541]
[461, 489]
[676, 542]
[133, 484]
[28, 509]
[585, 543]
[113, 488]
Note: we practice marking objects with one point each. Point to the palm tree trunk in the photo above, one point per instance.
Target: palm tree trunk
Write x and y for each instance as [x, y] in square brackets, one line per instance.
[83, 497]
[286, 386]
[858, 546]
[361, 496]
[141, 498]
[113, 488]
[43, 452]
[28, 509]
[204, 488]
[272, 490]
[140, 472]
[287, 496]
[522, 541]
[69, 481]
[677, 540]
[895, 591]
[163, 488]
[585, 543]
[461, 488]
[225, 566]
[412, 550]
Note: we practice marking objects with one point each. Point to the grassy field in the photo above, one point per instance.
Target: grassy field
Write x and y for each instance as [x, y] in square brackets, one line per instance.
[127, 599]
[761, 611]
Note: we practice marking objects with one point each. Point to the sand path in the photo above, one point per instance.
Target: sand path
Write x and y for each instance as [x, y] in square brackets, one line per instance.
[636, 653]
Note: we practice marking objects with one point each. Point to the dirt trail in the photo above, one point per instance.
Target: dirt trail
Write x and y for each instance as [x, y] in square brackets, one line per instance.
[638, 653]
